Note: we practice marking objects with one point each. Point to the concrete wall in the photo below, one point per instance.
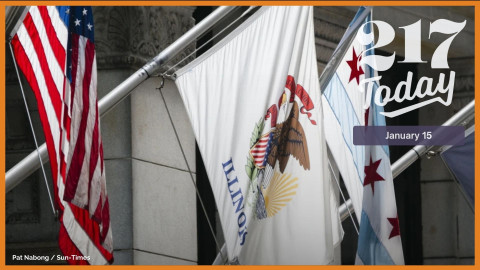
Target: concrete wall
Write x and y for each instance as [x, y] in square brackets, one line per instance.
[163, 174]
[117, 144]
[150, 163]
[448, 221]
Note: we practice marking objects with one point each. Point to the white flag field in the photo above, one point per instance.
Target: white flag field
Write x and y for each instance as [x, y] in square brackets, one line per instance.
[256, 110]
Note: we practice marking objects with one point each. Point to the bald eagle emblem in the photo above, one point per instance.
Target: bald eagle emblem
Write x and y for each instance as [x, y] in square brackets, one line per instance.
[273, 146]
[288, 140]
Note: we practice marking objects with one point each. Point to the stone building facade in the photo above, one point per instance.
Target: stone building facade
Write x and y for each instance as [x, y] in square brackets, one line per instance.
[150, 151]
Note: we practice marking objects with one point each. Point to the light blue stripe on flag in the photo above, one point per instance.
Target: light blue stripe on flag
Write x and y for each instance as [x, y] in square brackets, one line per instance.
[370, 249]
[342, 107]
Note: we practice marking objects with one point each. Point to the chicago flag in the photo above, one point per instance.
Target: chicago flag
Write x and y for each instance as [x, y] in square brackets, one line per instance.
[365, 169]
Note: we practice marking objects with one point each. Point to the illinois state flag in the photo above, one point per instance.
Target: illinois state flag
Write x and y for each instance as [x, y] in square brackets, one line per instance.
[254, 104]
[365, 170]
[54, 47]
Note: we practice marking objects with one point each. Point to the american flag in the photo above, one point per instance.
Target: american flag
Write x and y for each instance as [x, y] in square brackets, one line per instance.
[54, 47]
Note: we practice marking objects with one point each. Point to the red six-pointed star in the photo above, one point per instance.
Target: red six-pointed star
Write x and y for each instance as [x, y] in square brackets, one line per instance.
[371, 175]
[356, 69]
[396, 227]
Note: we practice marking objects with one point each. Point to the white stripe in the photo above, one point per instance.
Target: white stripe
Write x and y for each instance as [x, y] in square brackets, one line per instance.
[65, 143]
[26, 42]
[108, 243]
[59, 25]
[97, 189]
[55, 70]
[80, 238]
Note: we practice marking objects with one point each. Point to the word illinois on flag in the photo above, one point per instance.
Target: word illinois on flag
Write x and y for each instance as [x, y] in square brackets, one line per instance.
[54, 47]
[365, 169]
[255, 106]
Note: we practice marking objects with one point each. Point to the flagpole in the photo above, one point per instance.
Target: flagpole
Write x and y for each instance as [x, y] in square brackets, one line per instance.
[462, 117]
[31, 163]
[14, 16]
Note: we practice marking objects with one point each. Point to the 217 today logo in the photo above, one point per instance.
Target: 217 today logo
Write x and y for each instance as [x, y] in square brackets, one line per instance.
[413, 54]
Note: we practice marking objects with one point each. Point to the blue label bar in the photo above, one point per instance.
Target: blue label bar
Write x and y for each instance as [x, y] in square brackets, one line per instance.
[408, 135]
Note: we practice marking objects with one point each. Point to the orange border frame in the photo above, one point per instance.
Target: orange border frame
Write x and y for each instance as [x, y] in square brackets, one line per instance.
[3, 4]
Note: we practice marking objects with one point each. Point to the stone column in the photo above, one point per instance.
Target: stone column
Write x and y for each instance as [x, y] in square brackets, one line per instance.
[151, 194]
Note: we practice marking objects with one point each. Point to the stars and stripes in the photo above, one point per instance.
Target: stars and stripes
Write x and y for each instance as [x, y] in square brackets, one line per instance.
[54, 47]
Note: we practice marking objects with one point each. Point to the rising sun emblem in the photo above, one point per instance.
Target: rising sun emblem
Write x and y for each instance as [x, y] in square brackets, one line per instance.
[281, 190]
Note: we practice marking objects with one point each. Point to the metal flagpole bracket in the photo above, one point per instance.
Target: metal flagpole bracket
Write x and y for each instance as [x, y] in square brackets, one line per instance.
[431, 154]
[162, 83]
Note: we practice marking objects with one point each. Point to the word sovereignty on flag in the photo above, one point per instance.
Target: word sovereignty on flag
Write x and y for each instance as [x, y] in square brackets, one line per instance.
[54, 47]
[255, 106]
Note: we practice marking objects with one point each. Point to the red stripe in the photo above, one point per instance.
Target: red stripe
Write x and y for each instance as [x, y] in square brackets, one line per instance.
[105, 220]
[74, 172]
[94, 154]
[42, 59]
[101, 157]
[25, 66]
[97, 216]
[68, 248]
[67, 122]
[91, 228]
[56, 45]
